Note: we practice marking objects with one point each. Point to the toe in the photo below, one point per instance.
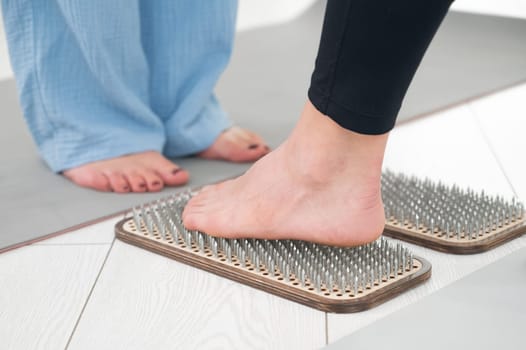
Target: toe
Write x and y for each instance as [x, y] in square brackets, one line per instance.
[201, 212]
[196, 205]
[251, 139]
[154, 182]
[247, 146]
[195, 216]
[236, 145]
[170, 173]
[256, 139]
[89, 178]
[251, 153]
[137, 182]
[173, 175]
[118, 182]
[191, 218]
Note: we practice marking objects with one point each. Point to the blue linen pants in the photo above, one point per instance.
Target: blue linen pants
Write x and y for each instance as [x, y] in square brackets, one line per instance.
[99, 79]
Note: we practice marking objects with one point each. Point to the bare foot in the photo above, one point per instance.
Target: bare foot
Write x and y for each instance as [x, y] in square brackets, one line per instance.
[140, 172]
[236, 145]
[321, 185]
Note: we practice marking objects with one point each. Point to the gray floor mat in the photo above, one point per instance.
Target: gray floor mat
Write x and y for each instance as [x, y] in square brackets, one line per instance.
[264, 89]
[35, 202]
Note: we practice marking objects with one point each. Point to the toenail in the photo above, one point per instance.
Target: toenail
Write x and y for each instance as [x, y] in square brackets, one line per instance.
[156, 183]
[253, 146]
[126, 188]
[175, 171]
[267, 148]
[142, 185]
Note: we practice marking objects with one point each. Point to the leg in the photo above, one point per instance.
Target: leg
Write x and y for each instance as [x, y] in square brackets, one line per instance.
[323, 183]
[81, 73]
[188, 45]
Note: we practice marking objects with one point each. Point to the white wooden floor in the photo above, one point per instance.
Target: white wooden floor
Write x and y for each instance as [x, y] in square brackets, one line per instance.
[84, 290]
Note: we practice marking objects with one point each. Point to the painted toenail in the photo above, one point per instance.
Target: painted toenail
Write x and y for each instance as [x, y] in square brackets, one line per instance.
[156, 183]
[175, 171]
[253, 146]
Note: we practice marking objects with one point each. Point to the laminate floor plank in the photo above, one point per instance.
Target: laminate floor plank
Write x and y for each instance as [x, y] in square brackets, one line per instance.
[145, 301]
[451, 148]
[447, 147]
[42, 292]
[447, 268]
[502, 118]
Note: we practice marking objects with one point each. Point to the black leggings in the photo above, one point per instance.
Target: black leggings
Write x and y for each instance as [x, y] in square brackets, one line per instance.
[368, 54]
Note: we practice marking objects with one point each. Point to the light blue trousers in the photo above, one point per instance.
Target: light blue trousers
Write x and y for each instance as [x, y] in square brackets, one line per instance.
[102, 78]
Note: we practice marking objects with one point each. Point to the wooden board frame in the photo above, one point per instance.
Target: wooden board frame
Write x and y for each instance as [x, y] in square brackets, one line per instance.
[453, 246]
[282, 289]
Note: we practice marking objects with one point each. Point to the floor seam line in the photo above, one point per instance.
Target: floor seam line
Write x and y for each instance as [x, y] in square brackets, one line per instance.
[491, 148]
[326, 328]
[89, 295]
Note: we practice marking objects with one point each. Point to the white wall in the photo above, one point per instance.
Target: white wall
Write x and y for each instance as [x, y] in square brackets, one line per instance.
[509, 8]
[256, 13]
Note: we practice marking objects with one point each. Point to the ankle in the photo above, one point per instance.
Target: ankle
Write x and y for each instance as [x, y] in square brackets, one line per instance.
[320, 150]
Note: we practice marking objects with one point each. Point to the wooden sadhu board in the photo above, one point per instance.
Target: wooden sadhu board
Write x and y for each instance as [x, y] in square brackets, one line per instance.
[448, 218]
[331, 279]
